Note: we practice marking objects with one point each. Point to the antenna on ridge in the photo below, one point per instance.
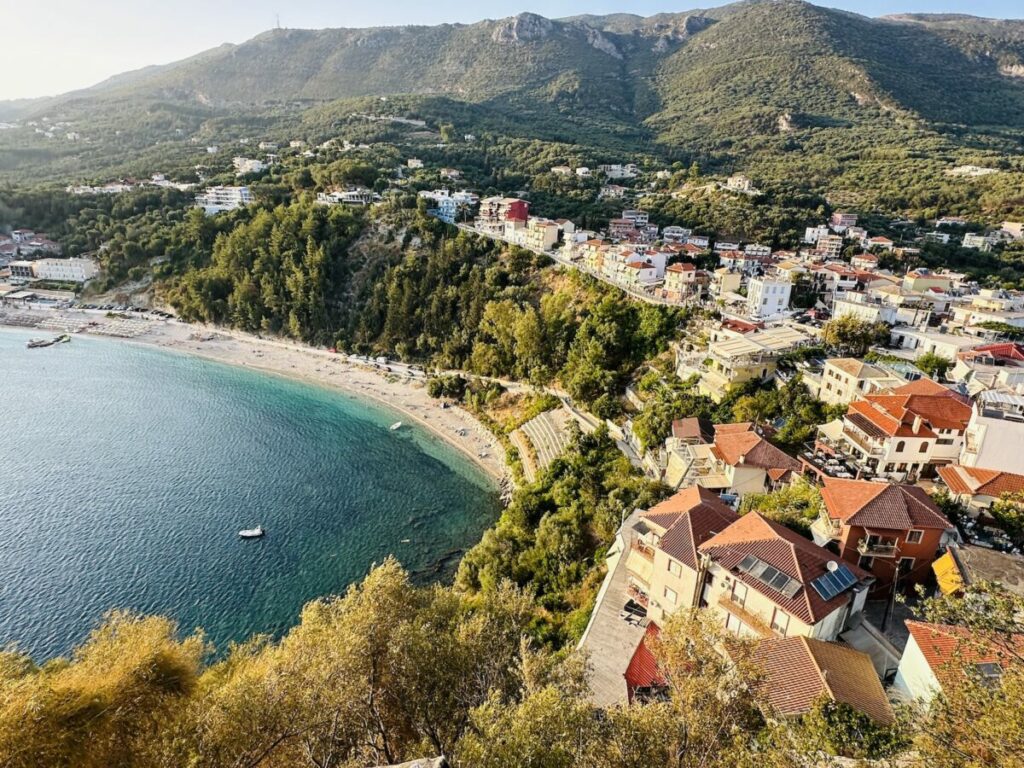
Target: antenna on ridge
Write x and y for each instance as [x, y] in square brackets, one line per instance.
[277, 20]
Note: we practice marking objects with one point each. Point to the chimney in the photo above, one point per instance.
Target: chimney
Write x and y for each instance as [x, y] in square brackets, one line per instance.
[918, 421]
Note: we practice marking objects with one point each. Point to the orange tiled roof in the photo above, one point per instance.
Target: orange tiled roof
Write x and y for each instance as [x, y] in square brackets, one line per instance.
[785, 550]
[889, 506]
[893, 413]
[689, 518]
[799, 671]
[949, 650]
[976, 481]
[643, 671]
[753, 450]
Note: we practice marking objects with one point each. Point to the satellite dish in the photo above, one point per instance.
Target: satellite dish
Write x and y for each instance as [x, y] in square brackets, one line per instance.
[832, 566]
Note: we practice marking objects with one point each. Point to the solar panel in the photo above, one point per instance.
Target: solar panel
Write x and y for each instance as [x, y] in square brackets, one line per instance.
[831, 583]
[747, 563]
[769, 575]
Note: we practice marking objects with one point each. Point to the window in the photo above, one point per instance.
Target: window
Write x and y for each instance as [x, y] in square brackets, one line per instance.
[780, 622]
[733, 624]
[739, 593]
[900, 446]
[674, 568]
[989, 672]
[906, 565]
[914, 537]
[671, 595]
[866, 562]
[944, 441]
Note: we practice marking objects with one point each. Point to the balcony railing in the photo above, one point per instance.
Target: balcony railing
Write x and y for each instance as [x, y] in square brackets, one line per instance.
[751, 619]
[645, 550]
[876, 548]
[831, 528]
[863, 443]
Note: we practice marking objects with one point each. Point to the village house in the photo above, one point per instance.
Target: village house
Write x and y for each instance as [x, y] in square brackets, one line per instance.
[680, 282]
[448, 206]
[561, 170]
[612, 192]
[737, 460]
[883, 528]
[799, 672]
[865, 261]
[350, 196]
[977, 488]
[938, 656]
[923, 341]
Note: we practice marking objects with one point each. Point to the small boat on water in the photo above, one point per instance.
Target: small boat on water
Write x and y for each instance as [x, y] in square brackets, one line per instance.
[37, 343]
[252, 533]
[396, 426]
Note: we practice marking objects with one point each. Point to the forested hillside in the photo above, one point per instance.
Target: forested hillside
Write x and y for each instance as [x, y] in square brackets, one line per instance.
[781, 89]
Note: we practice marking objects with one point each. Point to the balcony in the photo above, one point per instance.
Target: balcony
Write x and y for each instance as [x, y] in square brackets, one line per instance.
[644, 550]
[870, 548]
[752, 620]
[826, 529]
[861, 441]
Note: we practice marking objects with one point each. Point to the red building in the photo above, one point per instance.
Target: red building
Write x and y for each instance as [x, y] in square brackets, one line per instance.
[884, 528]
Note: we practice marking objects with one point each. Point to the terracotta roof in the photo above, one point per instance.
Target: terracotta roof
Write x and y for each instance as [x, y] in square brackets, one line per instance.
[850, 365]
[949, 650]
[980, 482]
[890, 506]
[799, 671]
[750, 448]
[643, 671]
[689, 518]
[893, 413]
[785, 550]
[693, 428]
[1009, 350]
[736, 426]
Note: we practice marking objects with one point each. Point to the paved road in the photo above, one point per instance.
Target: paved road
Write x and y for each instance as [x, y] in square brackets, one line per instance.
[557, 257]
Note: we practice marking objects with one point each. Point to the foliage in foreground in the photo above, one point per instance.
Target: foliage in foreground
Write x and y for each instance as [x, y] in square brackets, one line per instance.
[389, 672]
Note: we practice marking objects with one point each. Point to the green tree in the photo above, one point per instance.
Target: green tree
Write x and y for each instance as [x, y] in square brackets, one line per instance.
[933, 364]
[852, 336]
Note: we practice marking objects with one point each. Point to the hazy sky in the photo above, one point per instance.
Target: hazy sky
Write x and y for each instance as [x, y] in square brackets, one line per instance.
[52, 46]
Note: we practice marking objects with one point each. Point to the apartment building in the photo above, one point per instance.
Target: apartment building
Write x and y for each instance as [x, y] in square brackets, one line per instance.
[845, 379]
[994, 435]
[768, 297]
[761, 579]
[220, 199]
[496, 211]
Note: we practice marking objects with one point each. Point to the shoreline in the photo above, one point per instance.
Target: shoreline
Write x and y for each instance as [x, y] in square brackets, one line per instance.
[402, 390]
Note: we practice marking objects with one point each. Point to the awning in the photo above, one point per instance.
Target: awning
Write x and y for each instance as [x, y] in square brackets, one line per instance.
[948, 575]
[639, 566]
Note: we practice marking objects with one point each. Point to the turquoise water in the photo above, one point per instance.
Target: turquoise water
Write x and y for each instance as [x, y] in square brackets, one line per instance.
[126, 473]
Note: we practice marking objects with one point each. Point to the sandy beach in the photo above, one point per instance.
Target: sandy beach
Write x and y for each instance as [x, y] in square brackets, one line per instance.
[402, 389]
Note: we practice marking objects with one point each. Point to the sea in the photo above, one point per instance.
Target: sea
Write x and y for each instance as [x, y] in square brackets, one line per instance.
[126, 473]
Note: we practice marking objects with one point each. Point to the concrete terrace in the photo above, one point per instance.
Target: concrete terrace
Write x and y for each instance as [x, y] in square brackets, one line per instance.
[609, 640]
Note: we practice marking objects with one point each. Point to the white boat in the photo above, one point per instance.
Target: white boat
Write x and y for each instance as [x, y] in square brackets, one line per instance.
[396, 426]
[252, 533]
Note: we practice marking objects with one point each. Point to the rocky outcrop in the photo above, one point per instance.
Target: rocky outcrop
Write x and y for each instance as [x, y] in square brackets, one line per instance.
[523, 28]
